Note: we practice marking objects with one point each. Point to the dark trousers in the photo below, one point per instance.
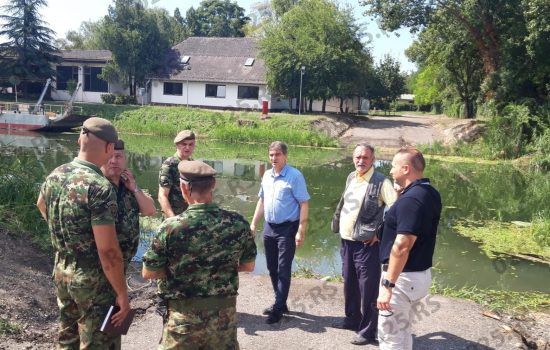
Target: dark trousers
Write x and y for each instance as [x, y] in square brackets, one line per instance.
[280, 246]
[361, 272]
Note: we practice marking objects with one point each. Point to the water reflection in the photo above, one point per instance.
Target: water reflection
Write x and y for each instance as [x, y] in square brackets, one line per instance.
[468, 191]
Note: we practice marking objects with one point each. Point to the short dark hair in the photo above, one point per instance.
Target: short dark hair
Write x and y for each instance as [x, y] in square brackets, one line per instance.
[202, 186]
[414, 156]
[280, 146]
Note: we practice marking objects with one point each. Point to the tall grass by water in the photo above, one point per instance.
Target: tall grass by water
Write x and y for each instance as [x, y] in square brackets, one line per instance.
[20, 180]
[227, 126]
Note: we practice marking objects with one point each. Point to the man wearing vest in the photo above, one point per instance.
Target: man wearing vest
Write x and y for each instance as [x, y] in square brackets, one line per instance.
[406, 249]
[358, 216]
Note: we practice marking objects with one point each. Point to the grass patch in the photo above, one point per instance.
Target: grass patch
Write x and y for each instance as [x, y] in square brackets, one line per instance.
[20, 180]
[8, 328]
[501, 301]
[227, 126]
[498, 237]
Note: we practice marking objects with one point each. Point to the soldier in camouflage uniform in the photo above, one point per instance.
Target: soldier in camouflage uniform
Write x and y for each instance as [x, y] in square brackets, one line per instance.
[170, 198]
[80, 207]
[197, 255]
[131, 201]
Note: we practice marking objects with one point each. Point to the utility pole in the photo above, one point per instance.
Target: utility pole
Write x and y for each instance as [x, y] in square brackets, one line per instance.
[302, 71]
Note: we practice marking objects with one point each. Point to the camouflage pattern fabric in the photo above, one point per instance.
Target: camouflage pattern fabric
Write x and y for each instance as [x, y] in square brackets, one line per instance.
[83, 295]
[127, 222]
[77, 196]
[200, 329]
[170, 177]
[201, 250]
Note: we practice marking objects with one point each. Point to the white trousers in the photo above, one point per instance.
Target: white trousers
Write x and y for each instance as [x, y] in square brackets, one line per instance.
[394, 328]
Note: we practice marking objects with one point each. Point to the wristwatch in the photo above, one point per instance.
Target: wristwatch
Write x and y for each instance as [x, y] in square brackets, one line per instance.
[386, 283]
[137, 189]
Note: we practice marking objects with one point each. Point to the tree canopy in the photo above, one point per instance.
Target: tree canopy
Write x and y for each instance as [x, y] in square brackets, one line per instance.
[216, 18]
[326, 41]
[28, 53]
[135, 40]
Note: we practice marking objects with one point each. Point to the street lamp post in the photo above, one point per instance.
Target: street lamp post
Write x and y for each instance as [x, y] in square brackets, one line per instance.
[187, 67]
[302, 71]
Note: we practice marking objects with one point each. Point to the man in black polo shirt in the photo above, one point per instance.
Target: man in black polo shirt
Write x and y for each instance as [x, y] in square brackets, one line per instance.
[406, 249]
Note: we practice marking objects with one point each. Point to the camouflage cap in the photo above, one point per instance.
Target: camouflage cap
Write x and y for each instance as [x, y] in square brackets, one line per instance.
[195, 170]
[101, 128]
[184, 135]
[119, 145]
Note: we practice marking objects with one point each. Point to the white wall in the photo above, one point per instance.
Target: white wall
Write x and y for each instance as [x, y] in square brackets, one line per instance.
[197, 92]
[86, 96]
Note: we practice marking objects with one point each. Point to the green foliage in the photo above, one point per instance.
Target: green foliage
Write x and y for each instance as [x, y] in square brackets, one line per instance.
[19, 186]
[497, 237]
[217, 18]
[497, 300]
[507, 134]
[27, 52]
[427, 87]
[228, 126]
[87, 37]
[135, 40]
[8, 328]
[118, 99]
[389, 83]
[541, 229]
[326, 41]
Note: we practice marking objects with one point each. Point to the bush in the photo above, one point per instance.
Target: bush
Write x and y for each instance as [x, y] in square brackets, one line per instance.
[118, 99]
[404, 107]
[108, 98]
[508, 133]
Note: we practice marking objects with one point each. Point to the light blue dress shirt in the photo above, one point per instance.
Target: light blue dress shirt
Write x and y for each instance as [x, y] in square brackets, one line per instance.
[283, 194]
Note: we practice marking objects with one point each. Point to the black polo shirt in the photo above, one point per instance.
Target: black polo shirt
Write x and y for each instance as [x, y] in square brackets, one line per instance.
[416, 211]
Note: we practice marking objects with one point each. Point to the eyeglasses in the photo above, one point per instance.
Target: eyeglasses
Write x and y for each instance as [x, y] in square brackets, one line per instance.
[386, 313]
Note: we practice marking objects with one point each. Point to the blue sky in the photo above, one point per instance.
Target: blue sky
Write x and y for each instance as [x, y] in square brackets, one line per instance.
[64, 15]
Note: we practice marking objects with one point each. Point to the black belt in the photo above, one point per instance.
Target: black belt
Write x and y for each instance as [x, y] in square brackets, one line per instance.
[385, 269]
[286, 223]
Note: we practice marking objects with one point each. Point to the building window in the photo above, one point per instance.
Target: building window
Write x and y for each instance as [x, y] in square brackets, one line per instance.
[215, 90]
[64, 74]
[173, 89]
[92, 82]
[248, 92]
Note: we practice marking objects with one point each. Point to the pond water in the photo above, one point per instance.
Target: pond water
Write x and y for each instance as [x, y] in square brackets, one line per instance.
[469, 191]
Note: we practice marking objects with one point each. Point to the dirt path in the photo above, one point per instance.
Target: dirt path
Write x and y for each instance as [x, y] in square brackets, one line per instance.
[396, 131]
[27, 299]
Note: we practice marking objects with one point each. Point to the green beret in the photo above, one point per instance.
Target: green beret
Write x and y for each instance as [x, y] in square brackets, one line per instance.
[101, 128]
[119, 145]
[195, 170]
[184, 135]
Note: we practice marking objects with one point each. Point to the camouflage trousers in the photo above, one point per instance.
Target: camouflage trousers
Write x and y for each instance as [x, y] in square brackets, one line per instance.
[83, 296]
[200, 324]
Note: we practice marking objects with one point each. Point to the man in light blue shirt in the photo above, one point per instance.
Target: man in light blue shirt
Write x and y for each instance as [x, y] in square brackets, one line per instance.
[284, 203]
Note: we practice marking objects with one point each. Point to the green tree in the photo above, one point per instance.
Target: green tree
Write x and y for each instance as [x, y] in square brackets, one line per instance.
[216, 18]
[325, 40]
[28, 53]
[133, 36]
[87, 37]
[452, 60]
[389, 82]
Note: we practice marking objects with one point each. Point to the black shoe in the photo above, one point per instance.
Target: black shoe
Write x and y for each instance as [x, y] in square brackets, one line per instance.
[343, 325]
[360, 340]
[269, 310]
[274, 317]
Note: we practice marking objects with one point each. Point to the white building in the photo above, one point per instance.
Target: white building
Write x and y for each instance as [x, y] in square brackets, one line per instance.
[84, 66]
[221, 73]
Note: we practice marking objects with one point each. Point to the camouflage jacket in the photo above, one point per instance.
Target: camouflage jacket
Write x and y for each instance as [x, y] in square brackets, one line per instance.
[201, 250]
[170, 177]
[127, 222]
[77, 196]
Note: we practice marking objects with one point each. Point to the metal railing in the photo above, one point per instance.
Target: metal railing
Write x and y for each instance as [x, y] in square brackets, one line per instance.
[45, 109]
